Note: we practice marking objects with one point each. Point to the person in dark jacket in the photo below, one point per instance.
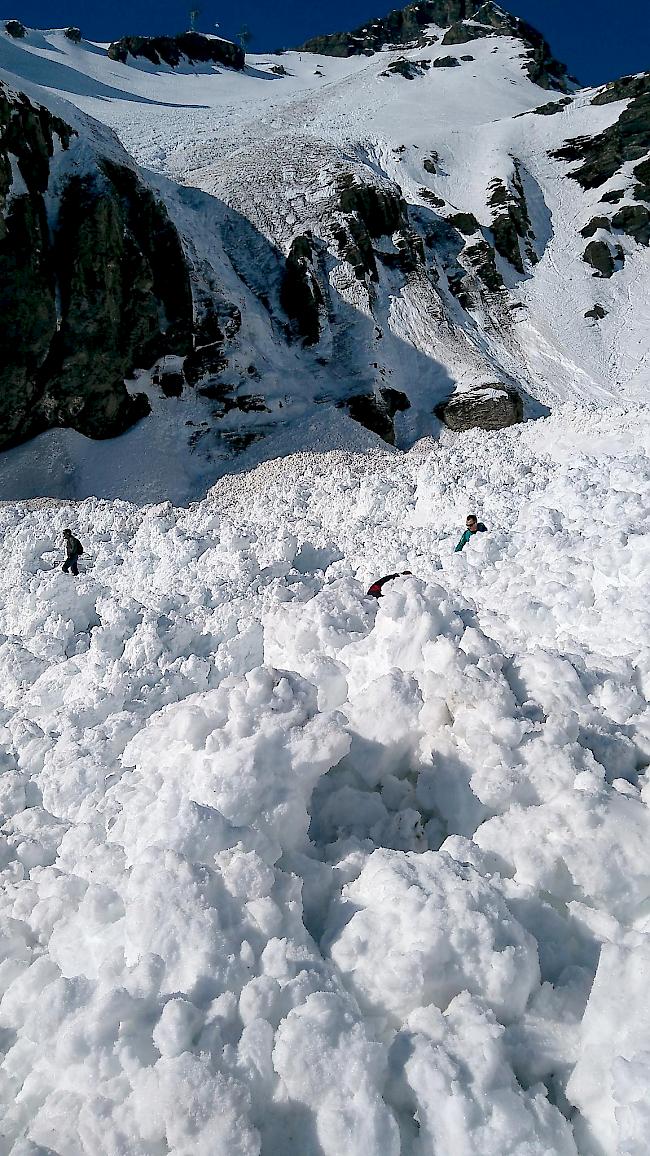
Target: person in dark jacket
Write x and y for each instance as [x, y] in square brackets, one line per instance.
[73, 549]
[473, 527]
[375, 590]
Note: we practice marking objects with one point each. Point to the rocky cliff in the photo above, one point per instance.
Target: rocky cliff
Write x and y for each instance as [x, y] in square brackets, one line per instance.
[188, 47]
[93, 279]
[464, 21]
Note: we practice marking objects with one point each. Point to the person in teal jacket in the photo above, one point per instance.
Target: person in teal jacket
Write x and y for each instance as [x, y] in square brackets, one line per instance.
[473, 527]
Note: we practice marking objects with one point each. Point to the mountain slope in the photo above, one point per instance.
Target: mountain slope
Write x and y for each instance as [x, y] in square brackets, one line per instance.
[433, 229]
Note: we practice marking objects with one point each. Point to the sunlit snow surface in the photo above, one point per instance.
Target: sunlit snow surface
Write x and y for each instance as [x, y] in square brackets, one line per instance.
[289, 871]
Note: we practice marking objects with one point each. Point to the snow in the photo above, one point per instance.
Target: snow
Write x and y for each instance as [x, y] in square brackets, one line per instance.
[210, 139]
[288, 869]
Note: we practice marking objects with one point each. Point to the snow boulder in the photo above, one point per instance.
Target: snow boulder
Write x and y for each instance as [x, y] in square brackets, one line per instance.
[589, 844]
[609, 1084]
[415, 930]
[328, 1063]
[451, 1072]
[484, 407]
[249, 753]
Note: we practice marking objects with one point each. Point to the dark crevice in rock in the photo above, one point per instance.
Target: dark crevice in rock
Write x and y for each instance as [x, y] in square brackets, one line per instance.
[377, 411]
[301, 295]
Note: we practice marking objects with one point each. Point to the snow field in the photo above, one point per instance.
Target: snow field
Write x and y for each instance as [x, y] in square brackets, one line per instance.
[286, 870]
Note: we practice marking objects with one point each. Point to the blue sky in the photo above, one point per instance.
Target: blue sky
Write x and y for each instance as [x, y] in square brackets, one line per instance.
[597, 39]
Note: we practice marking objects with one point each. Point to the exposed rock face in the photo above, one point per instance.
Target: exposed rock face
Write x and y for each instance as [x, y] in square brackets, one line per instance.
[486, 407]
[597, 313]
[635, 221]
[466, 223]
[599, 255]
[15, 28]
[377, 411]
[481, 258]
[511, 222]
[409, 69]
[81, 303]
[627, 140]
[401, 26]
[603, 156]
[366, 213]
[300, 295]
[172, 50]
[468, 20]
[490, 20]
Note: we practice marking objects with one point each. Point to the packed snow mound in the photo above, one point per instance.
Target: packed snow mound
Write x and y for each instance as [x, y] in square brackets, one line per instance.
[288, 870]
[419, 929]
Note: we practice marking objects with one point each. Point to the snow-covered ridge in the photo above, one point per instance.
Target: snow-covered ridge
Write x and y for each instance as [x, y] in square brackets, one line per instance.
[485, 283]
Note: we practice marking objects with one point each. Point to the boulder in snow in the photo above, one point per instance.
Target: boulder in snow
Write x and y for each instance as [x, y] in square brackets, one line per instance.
[485, 407]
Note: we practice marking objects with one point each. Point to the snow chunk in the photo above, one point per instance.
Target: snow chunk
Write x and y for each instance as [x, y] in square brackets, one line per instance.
[610, 1081]
[419, 929]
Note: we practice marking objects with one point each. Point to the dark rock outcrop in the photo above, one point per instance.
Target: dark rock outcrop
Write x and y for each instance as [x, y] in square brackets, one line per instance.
[367, 212]
[82, 302]
[173, 50]
[481, 259]
[599, 255]
[401, 26]
[446, 62]
[550, 109]
[597, 313]
[409, 69]
[72, 33]
[602, 156]
[511, 222]
[486, 407]
[300, 293]
[377, 411]
[635, 221]
[466, 223]
[206, 361]
[594, 225]
[15, 28]
[490, 20]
